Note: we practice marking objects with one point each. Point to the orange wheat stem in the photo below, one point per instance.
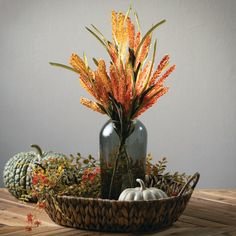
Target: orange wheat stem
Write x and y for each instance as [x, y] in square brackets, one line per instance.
[114, 24]
[88, 87]
[137, 40]
[101, 90]
[131, 32]
[151, 102]
[144, 50]
[121, 31]
[77, 63]
[129, 88]
[140, 83]
[92, 105]
[167, 73]
[106, 83]
[113, 53]
[164, 62]
[114, 82]
[121, 90]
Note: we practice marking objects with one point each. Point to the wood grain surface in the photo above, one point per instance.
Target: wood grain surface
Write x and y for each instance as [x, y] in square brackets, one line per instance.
[210, 212]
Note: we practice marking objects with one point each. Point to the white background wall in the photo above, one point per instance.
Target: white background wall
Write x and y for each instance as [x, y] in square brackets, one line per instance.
[193, 125]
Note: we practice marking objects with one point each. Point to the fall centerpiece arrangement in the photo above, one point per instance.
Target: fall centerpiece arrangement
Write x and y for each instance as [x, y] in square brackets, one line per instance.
[124, 89]
[69, 189]
[124, 190]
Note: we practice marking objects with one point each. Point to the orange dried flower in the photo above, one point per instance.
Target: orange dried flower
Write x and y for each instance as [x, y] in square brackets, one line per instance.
[142, 78]
[164, 62]
[113, 53]
[78, 64]
[152, 101]
[157, 88]
[129, 88]
[29, 218]
[121, 33]
[121, 89]
[88, 87]
[167, 73]
[101, 90]
[114, 82]
[90, 104]
[137, 40]
[131, 32]
[114, 23]
[144, 50]
[105, 80]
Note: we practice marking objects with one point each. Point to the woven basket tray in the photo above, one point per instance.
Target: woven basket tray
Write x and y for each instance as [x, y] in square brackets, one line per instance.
[122, 216]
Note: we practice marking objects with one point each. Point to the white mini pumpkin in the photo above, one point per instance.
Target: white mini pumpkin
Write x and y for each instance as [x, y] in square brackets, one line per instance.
[141, 193]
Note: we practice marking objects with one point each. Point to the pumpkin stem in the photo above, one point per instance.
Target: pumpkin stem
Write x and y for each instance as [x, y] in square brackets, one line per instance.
[142, 185]
[38, 149]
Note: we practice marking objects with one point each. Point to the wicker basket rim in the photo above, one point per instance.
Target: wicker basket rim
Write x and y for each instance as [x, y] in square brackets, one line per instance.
[127, 201]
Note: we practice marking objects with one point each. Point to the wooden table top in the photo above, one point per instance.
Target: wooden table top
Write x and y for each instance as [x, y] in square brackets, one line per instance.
[209, 212]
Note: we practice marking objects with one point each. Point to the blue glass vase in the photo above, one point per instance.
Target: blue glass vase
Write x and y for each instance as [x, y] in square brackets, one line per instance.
[122, 157]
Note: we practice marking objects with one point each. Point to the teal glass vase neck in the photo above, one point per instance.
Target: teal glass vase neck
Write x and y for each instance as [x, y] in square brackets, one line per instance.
[122, 156]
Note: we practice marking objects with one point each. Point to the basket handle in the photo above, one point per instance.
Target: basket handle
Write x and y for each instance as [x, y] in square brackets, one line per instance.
[193, 179]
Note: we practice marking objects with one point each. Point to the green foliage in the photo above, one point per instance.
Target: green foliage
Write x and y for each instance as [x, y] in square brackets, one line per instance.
[159, 177]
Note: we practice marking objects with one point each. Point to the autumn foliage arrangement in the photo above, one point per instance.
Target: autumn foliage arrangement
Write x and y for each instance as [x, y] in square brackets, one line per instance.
[131, 83]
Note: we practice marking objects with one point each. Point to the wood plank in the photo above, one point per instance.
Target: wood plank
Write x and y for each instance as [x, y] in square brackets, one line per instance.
[180, 223]
[17, 203]
[199, 231]
[212, 207]
[4, 193]
[46, 230]
[213, 216]
[8, 229]
[227, 192]
[195, 221]
[20, 212]
[16, 219]
[209, 212]
[42, 230]
[183, 231]
[85, 233]
[12, 204]
[221, 196]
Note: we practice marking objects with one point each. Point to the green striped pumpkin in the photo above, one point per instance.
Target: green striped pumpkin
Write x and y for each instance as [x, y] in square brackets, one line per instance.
[17, 171]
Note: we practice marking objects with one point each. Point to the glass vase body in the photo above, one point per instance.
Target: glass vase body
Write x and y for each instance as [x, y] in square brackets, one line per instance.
[121, 165]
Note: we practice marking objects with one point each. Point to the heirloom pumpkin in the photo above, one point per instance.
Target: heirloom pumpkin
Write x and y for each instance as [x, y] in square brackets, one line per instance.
[17, 171]
[141, 193]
